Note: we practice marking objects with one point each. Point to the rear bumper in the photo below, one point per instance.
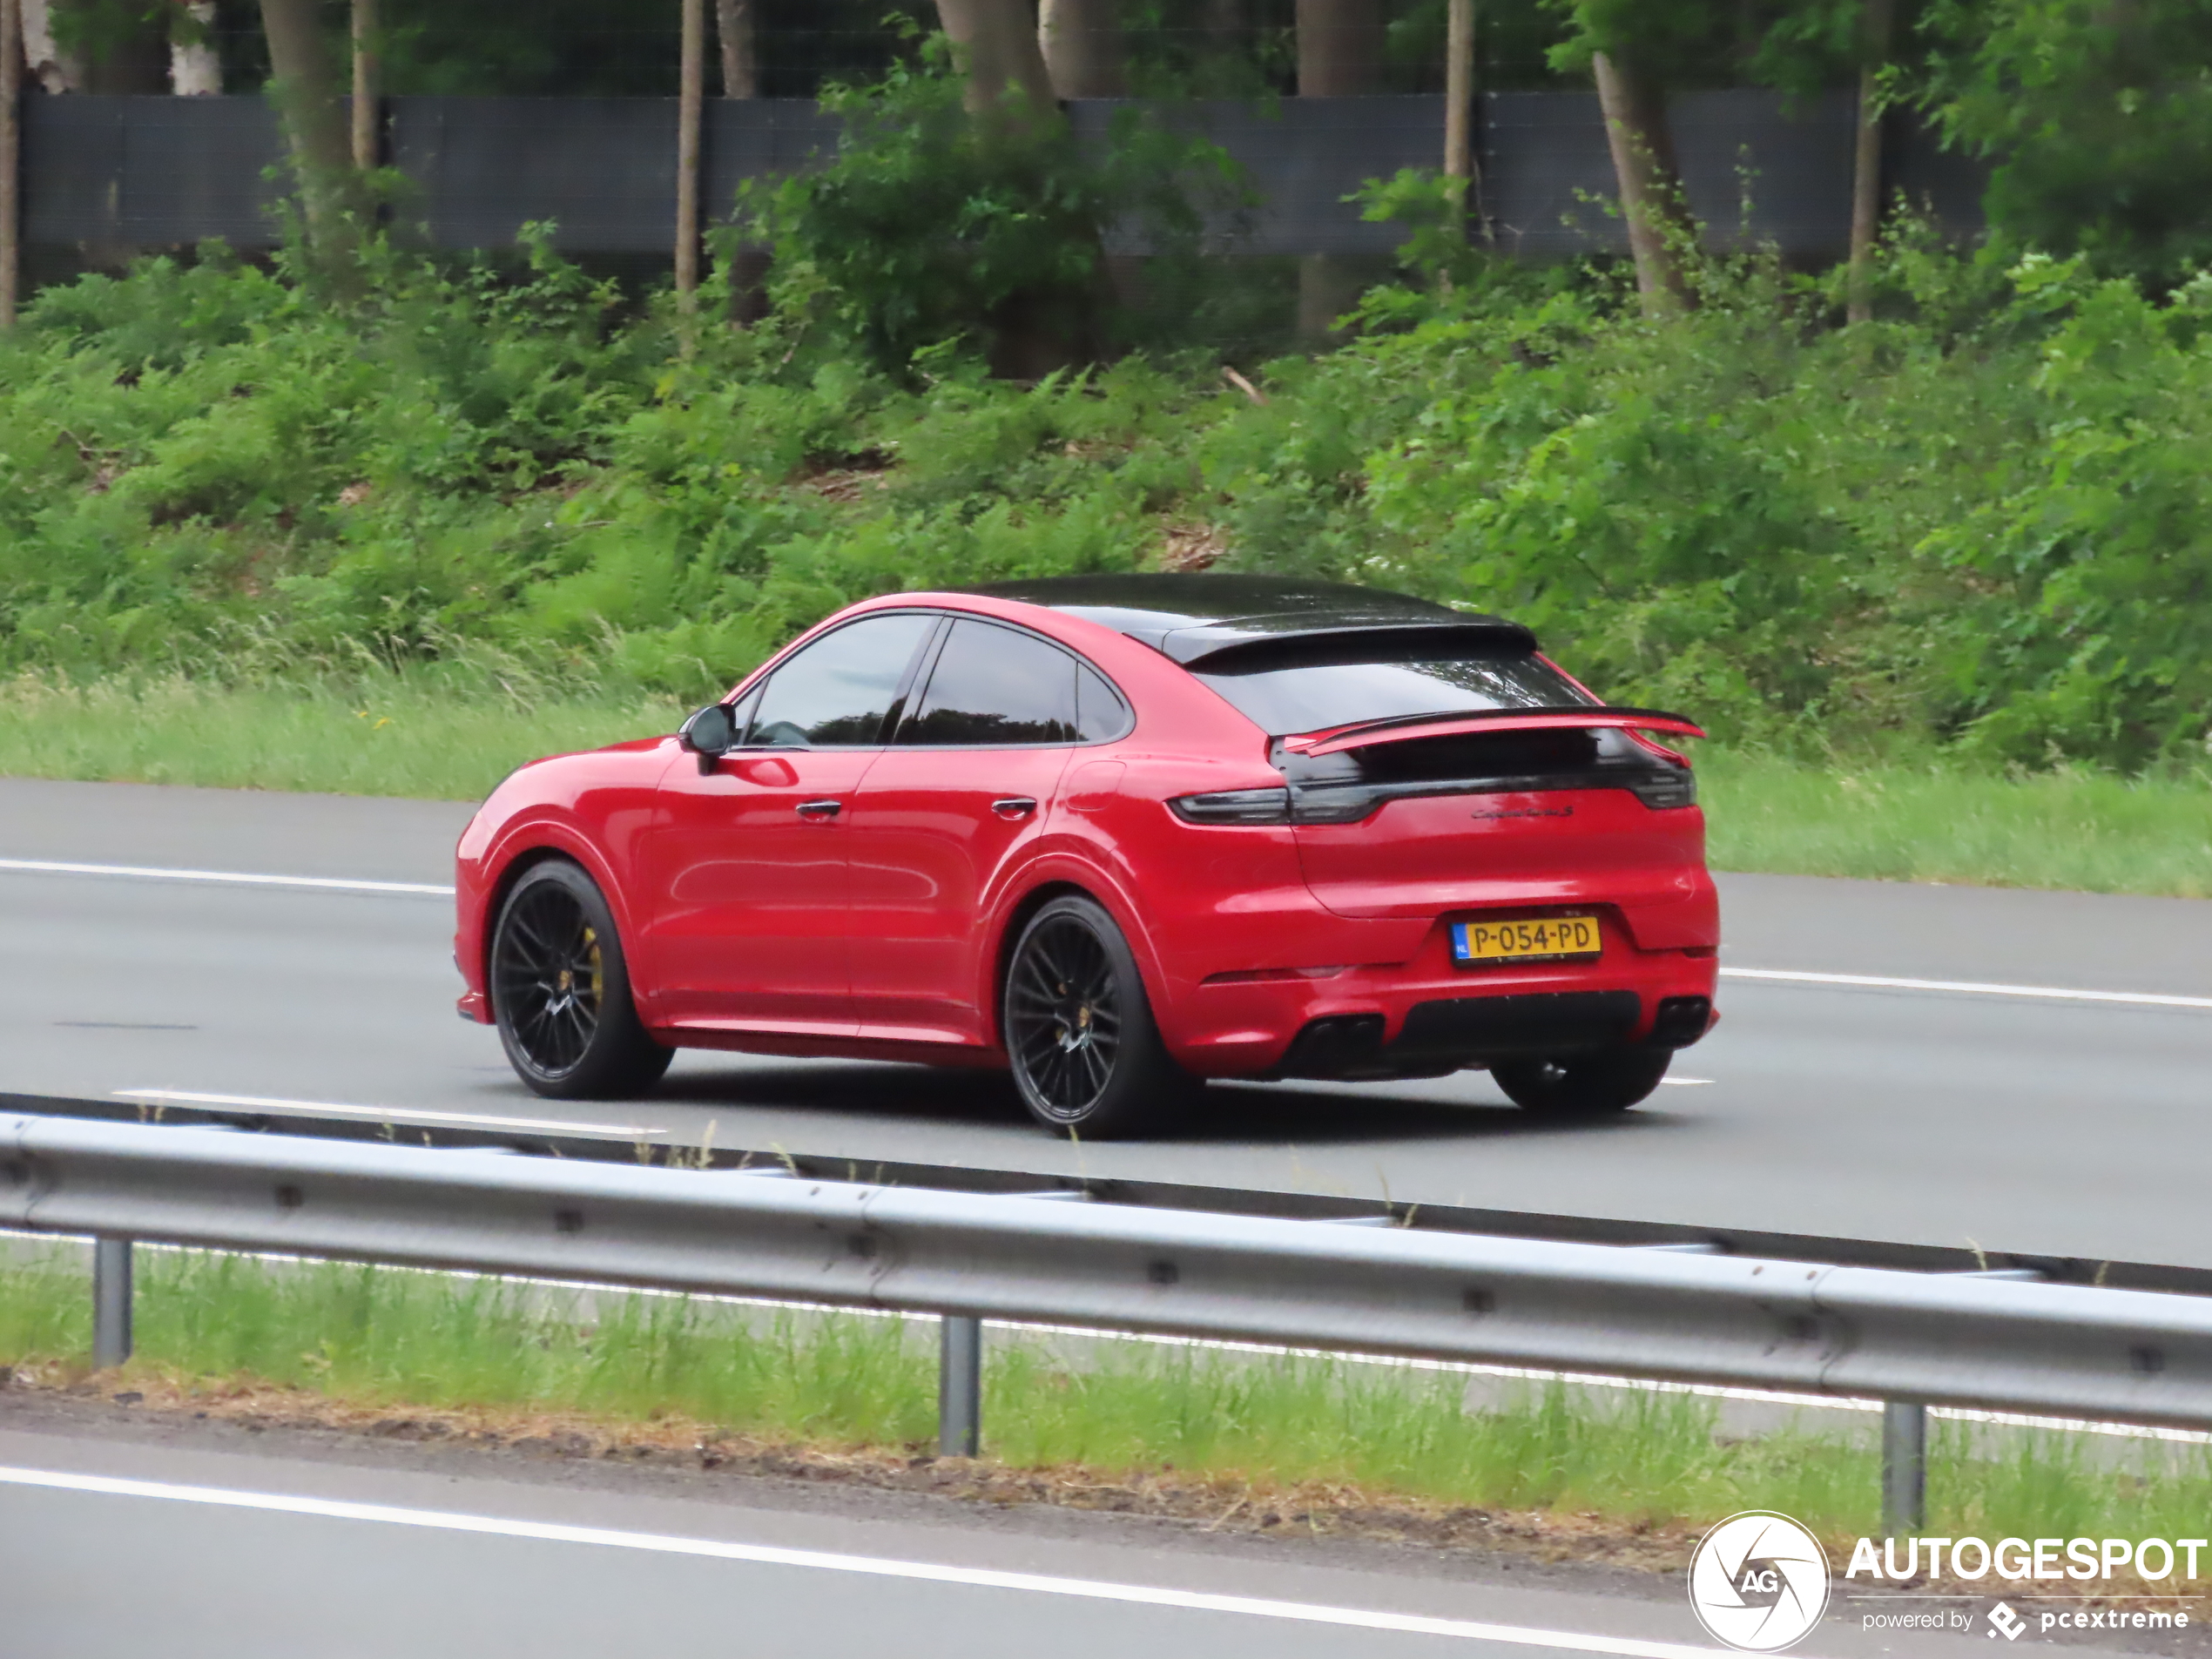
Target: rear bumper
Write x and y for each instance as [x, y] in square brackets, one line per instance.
[1427, 1017]
[1452, 1034]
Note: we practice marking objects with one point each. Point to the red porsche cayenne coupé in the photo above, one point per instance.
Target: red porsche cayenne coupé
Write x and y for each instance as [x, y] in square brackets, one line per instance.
[1119, 834]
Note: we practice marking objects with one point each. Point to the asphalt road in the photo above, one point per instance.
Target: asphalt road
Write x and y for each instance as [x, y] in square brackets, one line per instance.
[122, 1537]
[2057, 1126]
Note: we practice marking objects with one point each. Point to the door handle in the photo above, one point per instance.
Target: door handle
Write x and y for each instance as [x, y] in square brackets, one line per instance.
[1014, 806]
[823, 809]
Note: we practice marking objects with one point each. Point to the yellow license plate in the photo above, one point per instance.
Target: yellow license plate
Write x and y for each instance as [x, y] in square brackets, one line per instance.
[1521, 941]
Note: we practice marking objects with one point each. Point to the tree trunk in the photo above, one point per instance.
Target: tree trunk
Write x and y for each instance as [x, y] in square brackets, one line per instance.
[1043, 329]
[132, 41]
[1661, 233]
[1339, 55]
[998, 44]
[367, 87]
[1082, 43]
[1461, 110]
[195, 67]
[10, 159]
[690, 115]
[304, 81]
[54, 69]
[1339, 48]
[733, 31]
[1223, 22]
[1866, 164]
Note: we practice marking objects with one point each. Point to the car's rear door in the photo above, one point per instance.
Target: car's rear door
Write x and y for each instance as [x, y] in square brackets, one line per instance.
[750, 910]
[944, 818]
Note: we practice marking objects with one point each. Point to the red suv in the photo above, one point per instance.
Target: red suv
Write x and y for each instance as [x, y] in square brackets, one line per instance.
[1118, 834]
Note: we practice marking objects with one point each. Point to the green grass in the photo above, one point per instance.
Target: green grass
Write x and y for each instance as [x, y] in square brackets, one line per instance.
[2083, 830]
[394, 1338]
[453, 734]
[431, 736]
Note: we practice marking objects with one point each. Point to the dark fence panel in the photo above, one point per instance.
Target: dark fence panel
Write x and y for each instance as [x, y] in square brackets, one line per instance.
[601, 169]
[149, 172]
[116, 172]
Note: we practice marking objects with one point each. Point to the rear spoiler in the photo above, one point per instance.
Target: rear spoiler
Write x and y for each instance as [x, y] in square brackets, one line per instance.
[1406, 726]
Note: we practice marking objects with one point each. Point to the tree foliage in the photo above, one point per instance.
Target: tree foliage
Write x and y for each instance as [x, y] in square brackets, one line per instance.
[2097, 116]
[930, 229]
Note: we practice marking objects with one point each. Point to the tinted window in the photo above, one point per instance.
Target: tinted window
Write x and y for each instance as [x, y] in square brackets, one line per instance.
[836, 692]
[1100, 715]
[1283, 696]
[994, 686]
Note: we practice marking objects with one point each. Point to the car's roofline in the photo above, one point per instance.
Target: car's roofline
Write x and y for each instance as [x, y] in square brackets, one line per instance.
[1187, 618]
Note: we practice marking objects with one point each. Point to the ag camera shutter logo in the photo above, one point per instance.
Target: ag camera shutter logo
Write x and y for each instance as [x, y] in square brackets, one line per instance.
[1758, 1582]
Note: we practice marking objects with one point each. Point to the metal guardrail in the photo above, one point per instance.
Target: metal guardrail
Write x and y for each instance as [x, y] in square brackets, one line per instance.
[633, 1145]
[1914, 1340]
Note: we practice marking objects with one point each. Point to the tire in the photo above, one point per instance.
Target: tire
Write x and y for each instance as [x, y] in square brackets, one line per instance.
[560, 991]
[1594, 1085]
[1087, 1057]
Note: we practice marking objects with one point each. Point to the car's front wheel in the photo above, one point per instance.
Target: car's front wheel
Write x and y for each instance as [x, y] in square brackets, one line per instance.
[560, 991]
[1594, 1084]
[1087, 1057]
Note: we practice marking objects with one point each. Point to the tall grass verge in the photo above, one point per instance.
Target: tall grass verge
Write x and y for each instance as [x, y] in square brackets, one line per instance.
[2086, 831]
[417, 733]
[386, 1338]
[451, 730]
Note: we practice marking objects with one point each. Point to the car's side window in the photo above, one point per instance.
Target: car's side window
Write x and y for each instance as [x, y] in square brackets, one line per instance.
[741, 712]
[1100, 715]
[995, 685]
[838, 691]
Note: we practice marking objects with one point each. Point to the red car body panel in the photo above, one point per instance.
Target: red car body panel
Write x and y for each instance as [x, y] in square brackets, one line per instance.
[880, 931]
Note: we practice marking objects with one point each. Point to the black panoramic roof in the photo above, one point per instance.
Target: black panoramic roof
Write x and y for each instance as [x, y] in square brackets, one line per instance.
[1188, 618]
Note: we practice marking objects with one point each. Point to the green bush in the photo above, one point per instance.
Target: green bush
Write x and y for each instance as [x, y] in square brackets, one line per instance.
[931, 229]
[1976, 525]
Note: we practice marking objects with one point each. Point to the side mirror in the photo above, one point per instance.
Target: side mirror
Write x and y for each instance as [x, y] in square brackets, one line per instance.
[708, 734]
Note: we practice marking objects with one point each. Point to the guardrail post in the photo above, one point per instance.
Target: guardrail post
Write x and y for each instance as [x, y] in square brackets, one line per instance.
[110, 1302]
[1904, 1467]
[960, 1386]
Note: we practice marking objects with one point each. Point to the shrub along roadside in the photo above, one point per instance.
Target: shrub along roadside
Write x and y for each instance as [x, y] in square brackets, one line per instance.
[1976, 526]
[1334, 1438]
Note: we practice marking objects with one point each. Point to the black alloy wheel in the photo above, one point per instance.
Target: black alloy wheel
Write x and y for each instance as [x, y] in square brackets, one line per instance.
[560, 991]
[1087, 1057]
[1594, 1085]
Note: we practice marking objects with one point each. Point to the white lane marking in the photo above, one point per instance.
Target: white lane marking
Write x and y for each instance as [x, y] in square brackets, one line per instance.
[397, 1117]
[1687, 1083]
[233, 878]
[334, 884]
[2144, 999]
[878, 1566]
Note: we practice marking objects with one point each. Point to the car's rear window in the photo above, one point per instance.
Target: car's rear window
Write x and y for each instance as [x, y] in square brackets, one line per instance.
[1337, 683]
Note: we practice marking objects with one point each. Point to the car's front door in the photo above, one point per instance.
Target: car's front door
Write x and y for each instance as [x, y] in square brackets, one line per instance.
[946, 815]
[750, 921]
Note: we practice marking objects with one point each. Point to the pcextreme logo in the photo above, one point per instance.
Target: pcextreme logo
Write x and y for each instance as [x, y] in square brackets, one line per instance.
[1758, 1582]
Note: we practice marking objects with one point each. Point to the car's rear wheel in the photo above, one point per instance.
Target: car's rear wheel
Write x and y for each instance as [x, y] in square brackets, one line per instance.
[560, 991]
[1087, 1057]
[1594, 1085]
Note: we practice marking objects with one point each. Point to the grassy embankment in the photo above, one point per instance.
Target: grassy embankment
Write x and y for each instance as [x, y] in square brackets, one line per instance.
[2089, 830]
[395, 541]
[1322, 1438]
